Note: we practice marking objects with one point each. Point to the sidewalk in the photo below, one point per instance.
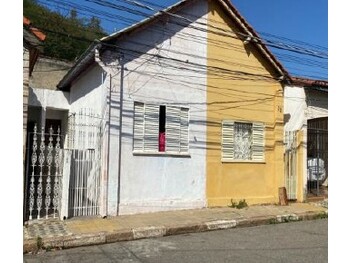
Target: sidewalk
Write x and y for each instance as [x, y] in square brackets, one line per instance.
[56, 234]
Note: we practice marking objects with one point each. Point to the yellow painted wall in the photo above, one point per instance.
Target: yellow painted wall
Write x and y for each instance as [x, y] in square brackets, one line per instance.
[301, 166]
[231, 96]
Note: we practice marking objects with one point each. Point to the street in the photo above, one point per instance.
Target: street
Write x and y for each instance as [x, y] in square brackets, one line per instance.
[305, 241]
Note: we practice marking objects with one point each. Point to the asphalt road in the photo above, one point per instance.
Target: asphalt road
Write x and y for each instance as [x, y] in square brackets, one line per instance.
[305, 241]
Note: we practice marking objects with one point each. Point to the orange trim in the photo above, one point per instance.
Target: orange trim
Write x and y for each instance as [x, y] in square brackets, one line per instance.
[40, 35]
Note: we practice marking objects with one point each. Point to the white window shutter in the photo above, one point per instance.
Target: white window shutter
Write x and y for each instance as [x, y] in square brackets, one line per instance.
[258, 147]
[184, 130]
[227, 144]
[173, 129]
[151, 131]
[139, 113]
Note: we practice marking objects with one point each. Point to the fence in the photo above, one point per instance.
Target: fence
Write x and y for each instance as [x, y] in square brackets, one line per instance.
[43, 174]
[290, 162]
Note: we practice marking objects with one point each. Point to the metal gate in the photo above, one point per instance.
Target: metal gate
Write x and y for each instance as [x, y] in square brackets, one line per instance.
[290, 164]
[64, 181]
[43, 174]
[84, 143]
[317, 153]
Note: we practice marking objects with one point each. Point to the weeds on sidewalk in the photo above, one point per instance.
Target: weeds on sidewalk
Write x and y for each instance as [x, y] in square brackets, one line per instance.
[39, 243]
[322, 215]
[241, 204]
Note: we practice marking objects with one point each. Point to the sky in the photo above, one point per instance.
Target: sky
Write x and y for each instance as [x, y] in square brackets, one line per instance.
[297, 20]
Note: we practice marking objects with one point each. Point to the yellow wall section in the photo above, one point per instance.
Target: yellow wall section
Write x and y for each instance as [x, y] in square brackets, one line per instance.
[231, 96]
[301, 165]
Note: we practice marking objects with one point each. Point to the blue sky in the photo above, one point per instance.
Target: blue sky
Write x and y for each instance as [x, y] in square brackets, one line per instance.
[297, 20]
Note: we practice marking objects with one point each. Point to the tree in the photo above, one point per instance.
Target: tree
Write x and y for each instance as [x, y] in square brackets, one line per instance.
[66, 37]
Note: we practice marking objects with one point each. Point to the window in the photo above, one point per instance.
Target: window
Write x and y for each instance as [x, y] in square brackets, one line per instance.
[242, 141]
[160, 128]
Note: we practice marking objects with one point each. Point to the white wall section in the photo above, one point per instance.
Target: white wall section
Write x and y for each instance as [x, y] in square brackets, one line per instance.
[151, 183]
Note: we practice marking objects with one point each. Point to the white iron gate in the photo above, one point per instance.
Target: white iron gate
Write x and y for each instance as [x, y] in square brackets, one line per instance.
[290, 164]
[43, 175]
[84, 142]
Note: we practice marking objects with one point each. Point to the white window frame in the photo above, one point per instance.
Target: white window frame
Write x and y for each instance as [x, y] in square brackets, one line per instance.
[146, 129]
[227, 142]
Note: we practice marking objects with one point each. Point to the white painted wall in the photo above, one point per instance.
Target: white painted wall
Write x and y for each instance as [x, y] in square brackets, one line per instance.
[46, 98]
[160, 183]
[88, 91]
[294, 107]
[302, 104]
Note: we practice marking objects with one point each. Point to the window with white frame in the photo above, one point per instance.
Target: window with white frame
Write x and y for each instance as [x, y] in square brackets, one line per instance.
[243, 141]
[160, 128]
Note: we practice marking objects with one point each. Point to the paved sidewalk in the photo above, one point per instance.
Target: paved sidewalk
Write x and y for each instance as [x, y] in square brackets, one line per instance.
[56, 234]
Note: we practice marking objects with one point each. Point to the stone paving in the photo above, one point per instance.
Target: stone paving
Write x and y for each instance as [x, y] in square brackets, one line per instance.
[50, 228]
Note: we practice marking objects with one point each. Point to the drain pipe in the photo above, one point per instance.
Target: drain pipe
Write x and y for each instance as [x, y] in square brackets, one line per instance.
[121, 63]
[103, 66]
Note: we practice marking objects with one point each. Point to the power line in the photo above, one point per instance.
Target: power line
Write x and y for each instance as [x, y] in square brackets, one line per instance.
[221, 31]
[187, 38]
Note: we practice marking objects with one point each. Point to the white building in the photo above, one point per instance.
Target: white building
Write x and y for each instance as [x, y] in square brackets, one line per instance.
[306, 129]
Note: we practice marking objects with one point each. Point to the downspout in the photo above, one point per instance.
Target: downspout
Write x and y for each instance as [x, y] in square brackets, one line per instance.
[121, 63]
[102, 65]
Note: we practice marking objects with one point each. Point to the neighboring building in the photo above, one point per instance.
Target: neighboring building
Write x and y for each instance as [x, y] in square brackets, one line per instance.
[182, 110]
[48, 106]
[46, 115]
[32, 46]
[306, 130]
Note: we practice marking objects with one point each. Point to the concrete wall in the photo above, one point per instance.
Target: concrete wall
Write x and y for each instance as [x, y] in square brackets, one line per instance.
[157, 183]
[317, 104]
[48, 72]
[254, 97]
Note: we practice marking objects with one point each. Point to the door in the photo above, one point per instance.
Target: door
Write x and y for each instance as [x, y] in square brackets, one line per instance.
[317, 157]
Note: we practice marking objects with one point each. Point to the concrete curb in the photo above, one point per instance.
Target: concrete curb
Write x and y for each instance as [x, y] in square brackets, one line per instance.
[31, 245]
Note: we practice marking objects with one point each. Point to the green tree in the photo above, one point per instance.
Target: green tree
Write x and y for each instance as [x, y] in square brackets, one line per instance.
[63, 34]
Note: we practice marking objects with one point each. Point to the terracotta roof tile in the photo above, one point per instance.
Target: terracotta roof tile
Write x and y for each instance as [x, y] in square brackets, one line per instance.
[40, 35]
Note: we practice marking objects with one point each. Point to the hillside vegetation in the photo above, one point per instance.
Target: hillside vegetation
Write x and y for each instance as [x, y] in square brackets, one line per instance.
[67, 36]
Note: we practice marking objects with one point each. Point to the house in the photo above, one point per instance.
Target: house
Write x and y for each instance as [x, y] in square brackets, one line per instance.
[306, 130]
[47, 119]
[244, 112]
[32, 46]
[48, 106]
[181, 110]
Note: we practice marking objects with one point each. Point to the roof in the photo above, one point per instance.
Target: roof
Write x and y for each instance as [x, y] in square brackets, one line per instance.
[305, 82]
[36, 32]
[87, 58]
